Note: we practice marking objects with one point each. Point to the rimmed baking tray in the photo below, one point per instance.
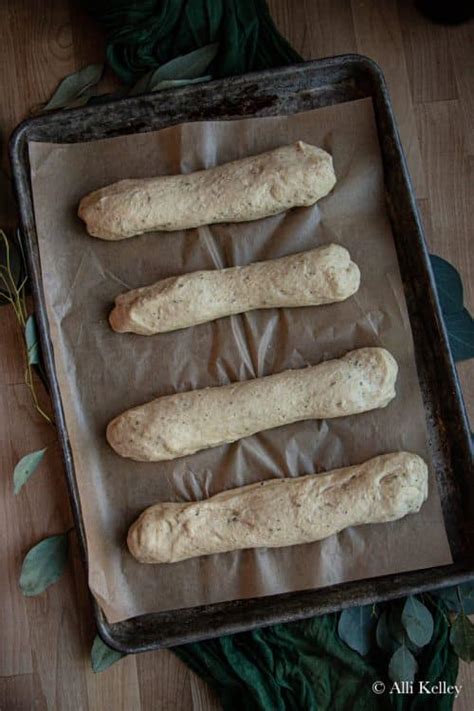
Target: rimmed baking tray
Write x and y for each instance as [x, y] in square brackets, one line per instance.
[281, 91]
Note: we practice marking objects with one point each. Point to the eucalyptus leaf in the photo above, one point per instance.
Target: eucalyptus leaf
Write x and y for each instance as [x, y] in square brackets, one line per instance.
[397, 630]
[382, 634]
[44, 564]
[31, 339]
[457, 598]
[449, 596]
[462, 637]
[75, 85]
[417, 621]
[459, 323]
[186, 69]
[169, 83]
[460, 328]
[188, 66]
[81, 100]
[355, 628]
[395, 623]
[448, 285]
[466, 592]
[25, 468]
[102, 656]
[403, 665]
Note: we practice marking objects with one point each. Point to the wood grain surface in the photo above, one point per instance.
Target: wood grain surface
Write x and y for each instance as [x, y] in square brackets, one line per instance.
[44, 651]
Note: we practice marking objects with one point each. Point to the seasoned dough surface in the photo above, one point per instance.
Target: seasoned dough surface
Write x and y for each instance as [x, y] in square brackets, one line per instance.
[176, 425]
[318, 276]
[239, 191]
[282, 512]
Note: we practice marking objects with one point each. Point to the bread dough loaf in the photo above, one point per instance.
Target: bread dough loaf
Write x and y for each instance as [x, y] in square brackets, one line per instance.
[246, 189]
[282, 512]
[319, 276]
[176, 425]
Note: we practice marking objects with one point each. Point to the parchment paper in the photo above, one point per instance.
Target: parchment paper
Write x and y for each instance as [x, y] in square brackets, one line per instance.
[102, 373]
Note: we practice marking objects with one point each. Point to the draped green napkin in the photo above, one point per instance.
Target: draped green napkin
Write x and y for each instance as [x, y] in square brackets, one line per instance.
[305, 666]
[142, 35]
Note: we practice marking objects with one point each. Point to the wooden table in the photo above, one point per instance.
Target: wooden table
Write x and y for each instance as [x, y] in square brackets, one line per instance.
[44, 653]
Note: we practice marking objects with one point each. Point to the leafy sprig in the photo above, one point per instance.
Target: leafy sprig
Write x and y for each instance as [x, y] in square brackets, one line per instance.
[79, 88]
[401, 629]
[15, 294]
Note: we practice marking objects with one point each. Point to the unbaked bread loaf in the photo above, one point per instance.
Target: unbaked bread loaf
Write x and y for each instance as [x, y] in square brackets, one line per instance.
[243, 190]
[176, 425]
[319, 276]
[282, 512]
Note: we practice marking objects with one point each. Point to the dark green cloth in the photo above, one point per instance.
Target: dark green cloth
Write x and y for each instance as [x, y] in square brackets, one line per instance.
[305, 666]
[143, 34]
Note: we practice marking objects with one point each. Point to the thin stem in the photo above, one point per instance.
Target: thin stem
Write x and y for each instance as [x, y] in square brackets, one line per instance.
[19, 241]
[23, 310]
[30, 383]
[23, 283]
[7, 249]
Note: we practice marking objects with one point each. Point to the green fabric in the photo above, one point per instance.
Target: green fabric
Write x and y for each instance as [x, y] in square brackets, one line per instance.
[305, 666]
[143, 34]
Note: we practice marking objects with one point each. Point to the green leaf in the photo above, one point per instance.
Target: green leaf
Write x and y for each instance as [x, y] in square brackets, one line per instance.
[462, 637]
[448, 285]
[395, 624]
[187, 69]
[168, 83]
[356, 626]
[188, 66]
[466, 593]
[81, 100]
[382, 634]
[417, 621]
[449, 596]
[25, 468]
[403, 665]
[460, 328]
[459, 323]
[102, 656]
[75, 85]
[44, 564]
[455, 595]
[31, 339]
[396, 628]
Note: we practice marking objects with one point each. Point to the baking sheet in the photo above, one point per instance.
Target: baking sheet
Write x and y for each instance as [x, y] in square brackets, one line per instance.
[102, 373]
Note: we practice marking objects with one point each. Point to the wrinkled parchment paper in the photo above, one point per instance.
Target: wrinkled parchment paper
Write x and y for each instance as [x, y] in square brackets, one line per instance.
[102, 373]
